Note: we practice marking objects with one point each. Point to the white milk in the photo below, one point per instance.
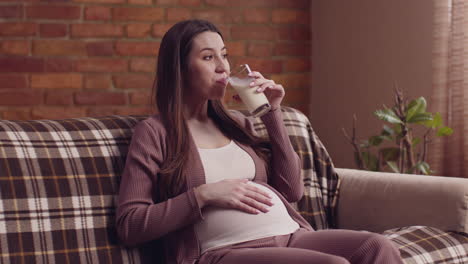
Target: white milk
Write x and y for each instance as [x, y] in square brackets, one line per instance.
[256, 102]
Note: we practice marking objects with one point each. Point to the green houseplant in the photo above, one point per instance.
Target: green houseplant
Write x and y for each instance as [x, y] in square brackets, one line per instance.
[398, 148]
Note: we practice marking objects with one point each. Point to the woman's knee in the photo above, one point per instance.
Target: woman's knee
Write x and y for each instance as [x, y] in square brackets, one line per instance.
[381, 243]
[377, 249]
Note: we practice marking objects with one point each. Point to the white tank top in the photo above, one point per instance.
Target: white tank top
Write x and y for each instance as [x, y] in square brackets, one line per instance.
[222, 226]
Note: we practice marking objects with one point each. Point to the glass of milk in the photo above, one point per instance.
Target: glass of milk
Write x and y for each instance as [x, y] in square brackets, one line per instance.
[257, 103]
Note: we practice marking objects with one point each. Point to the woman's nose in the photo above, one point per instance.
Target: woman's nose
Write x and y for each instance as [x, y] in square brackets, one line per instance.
[222, 66]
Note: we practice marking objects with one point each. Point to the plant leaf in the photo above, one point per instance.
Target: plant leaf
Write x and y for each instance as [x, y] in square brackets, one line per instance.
[375, 140]
[370, 160]
[435, 122]
[387, 131]
[390, 154]
[423, 167]
[397, 129]
[420, 118]
[416, 141]
[444, 131]
[388, 115]
[393, 166]
[417, 106]
[364, 144]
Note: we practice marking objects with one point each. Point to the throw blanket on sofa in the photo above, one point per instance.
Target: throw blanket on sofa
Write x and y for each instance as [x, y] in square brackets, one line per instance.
[59, 180]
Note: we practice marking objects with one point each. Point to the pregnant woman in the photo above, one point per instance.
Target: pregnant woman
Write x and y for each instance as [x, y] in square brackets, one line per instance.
[198, 180]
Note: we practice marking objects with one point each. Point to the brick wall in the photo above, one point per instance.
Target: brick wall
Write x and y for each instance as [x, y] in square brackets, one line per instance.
[76, 58]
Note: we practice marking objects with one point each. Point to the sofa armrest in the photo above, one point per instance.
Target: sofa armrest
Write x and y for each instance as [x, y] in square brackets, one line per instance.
[378, 201]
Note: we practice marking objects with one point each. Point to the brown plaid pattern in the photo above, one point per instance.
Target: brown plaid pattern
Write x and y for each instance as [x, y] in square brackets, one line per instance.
[427, 245]
[59, 179]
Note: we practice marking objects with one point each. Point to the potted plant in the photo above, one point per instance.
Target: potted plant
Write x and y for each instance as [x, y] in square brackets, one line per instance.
[405, 152]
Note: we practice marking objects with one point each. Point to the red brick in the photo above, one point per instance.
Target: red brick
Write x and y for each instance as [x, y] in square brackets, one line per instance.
[141, 98]
[143, 65]
[292, 49]
[59, 98]
[291, 16]
[12, 80]
[101, 111]
[98, 81]
[294, 32]
[193, 3]
[15, 47]
[20, 97]
[225, 31]
[11, 11]
[138, 30]
[59, 65]
[302, 4]
[233, 16]
[260, 49]
[57, 80]
[53, 30]
[100, 48]
[215, 16]
[17, 114]
[255, 32]
[101, 1]
[100, 98]
[140, 2]
[178, 14]
[21, 64]
[263, 65]
[101, 65]
[257, 15]
[235, 48]
[137, 48]
[167, 2]
[97, 13]
[18, 29]
[138, 14]
[292, 80]
[51, 11]
[297, 65]
[133, 81]
[57, 112]
[59, 47]
[240, 3]
[96, 30]
[135, 111]
[160, 29]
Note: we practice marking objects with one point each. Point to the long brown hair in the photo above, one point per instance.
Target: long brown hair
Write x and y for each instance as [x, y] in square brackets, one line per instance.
[171, 70]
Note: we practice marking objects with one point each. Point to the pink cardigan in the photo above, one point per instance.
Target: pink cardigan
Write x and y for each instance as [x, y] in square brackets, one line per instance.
[140, 219]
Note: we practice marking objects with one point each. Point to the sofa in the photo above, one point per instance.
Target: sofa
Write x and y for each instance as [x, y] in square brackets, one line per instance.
[59, 180]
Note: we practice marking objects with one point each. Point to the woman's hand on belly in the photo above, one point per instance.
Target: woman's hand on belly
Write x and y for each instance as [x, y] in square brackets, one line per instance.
[234, 194]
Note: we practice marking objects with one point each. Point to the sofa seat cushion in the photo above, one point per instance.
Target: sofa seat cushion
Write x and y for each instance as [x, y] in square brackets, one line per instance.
[428, 245]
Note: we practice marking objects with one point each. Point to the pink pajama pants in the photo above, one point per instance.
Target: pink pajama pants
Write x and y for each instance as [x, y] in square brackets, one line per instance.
[301, 247]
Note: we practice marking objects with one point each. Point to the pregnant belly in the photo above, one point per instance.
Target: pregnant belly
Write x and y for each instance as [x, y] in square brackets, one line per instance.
[224, 226]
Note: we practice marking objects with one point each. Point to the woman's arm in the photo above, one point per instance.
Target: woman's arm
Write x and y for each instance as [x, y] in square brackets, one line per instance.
[285, 164]
[138, 218]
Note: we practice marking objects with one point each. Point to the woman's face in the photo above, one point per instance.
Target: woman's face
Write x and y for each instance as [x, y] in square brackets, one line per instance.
[208, 67]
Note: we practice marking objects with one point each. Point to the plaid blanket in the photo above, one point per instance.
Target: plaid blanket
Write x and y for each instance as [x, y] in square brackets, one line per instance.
[427, 245]
[59, 180]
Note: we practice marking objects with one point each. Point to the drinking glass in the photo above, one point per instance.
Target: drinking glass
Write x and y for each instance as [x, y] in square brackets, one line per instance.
[257, 103]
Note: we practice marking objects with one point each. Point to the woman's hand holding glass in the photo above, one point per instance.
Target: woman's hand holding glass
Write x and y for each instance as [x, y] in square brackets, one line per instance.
[234, 194]
[273, 91]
